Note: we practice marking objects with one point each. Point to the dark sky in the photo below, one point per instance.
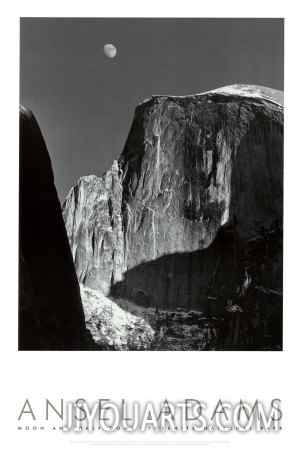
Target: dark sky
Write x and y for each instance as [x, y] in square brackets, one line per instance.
[84, 102]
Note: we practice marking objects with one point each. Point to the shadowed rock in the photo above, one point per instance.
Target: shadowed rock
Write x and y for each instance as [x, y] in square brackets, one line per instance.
[50, 311]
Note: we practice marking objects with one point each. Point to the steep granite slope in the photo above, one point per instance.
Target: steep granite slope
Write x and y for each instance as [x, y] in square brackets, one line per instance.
[188, 212]
[93, 219]
[50, 310]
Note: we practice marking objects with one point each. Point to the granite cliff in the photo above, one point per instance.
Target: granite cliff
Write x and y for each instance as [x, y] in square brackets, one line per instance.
[51, 315]
[191, 213]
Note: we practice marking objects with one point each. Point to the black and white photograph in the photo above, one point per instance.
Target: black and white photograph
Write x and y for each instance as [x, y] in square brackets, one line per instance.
[150, 224]
[151, 184]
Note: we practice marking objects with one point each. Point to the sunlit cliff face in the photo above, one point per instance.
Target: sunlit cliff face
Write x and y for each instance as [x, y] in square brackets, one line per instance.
[192, 167]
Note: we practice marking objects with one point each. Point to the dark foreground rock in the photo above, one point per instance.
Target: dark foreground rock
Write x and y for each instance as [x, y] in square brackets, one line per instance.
[51, 315]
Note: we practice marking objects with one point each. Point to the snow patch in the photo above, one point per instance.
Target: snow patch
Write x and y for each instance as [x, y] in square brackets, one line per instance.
[111, 326]
[242, 90]
[246, 90]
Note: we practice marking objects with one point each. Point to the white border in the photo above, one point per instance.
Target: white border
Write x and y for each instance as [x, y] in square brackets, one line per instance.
[158, 375]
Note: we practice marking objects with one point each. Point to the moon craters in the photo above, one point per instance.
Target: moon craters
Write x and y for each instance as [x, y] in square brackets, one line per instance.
[110, 50]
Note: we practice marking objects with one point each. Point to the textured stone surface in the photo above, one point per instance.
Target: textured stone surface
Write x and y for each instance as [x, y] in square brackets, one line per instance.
[50, 311]
[176, 219]
[92, 214]
[114, 327]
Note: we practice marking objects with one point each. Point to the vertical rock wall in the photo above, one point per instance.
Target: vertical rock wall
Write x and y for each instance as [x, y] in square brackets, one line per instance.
[51, 315]
[199, 177]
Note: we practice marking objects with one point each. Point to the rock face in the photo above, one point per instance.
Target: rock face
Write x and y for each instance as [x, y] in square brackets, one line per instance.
[50, 310]
[186, 213]
[92, 214]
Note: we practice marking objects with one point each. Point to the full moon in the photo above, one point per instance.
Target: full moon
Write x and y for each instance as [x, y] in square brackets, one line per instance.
[110, 50]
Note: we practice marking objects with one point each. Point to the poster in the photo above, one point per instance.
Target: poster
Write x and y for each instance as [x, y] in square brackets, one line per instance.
[153, 379]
